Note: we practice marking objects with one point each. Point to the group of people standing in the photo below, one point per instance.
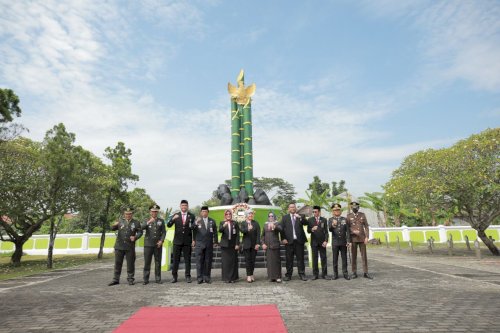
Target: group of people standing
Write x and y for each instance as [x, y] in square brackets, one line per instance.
[202, 235]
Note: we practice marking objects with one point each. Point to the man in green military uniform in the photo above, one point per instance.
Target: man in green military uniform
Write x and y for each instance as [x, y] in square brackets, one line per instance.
[154, 236]
[129, 231]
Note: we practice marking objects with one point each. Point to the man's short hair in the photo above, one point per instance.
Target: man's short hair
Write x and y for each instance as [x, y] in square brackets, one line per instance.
[184, 201]
[204, 208]
[317, 207]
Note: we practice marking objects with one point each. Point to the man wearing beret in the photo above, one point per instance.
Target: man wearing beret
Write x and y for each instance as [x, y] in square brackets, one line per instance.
[183, 239]
[153, 240]
[341, 240]
[317, 227]
[359, 237]
[129, 231]
[205, 237]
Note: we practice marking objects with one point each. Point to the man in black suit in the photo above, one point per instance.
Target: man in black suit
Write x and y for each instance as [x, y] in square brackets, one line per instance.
[183, 239]
[341, 240]
[205, 237]
[317, 227]
[294, 238]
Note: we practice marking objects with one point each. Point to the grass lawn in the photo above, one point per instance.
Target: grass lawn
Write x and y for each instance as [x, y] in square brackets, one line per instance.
[38, 264]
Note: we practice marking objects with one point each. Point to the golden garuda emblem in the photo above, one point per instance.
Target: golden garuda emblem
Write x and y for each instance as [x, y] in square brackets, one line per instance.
[241, 93]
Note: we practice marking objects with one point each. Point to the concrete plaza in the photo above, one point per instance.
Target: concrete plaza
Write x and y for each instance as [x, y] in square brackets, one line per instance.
[410, 293]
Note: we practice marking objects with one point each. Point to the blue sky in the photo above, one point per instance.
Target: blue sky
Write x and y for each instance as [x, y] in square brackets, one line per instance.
[345, 89]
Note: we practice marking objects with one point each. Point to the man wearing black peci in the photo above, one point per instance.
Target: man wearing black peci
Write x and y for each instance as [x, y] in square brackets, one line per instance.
[294, 238]
[205, 237]
[317, 227]
[183, 240]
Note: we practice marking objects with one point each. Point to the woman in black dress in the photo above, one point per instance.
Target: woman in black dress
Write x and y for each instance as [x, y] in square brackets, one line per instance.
[229, 244]
[271, 244]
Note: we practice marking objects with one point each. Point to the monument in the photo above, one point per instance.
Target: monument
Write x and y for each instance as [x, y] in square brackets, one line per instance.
[241, 194]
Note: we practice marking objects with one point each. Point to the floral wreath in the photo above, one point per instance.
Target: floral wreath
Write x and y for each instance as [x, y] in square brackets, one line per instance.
[239, 211]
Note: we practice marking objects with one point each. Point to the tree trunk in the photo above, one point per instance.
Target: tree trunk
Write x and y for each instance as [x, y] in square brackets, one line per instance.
[103, 225]
[18, 253]
[51, 244]
[489, 244]
[379, 218]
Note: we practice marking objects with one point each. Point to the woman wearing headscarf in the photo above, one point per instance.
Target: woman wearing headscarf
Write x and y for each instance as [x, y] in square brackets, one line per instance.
[271, 244]
[251, 242]
[229, 244]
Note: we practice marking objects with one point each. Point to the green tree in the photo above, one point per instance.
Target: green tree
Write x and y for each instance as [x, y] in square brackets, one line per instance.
[376, 202]
[318, 187]
[461, 180]
[9, 108]
[23, 204]
[140, 200]
[118, 175]
[60, 160]
[279, 191]
[336, 190]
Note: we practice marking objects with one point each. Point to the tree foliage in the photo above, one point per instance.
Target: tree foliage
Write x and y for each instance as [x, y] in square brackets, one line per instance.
[461, 180]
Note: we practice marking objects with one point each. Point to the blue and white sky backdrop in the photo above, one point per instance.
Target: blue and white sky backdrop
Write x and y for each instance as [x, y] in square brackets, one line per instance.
[345, 89]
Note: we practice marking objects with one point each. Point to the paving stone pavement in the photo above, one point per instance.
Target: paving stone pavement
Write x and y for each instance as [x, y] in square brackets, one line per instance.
[408, 294]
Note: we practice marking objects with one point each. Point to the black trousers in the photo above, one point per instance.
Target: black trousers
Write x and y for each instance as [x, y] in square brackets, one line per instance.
[322, 254]
[343, 252]
[149, 253]
[186, 251]
[204, 262]
[250, 255]
[294, 250]
[130, 256]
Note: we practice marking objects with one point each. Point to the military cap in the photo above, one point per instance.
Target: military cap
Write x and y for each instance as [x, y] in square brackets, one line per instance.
[154, 208]
[354, 203]
[128, 209]
[336, 206]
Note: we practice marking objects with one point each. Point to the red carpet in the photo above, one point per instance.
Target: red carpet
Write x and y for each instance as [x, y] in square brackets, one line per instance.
[241, 319]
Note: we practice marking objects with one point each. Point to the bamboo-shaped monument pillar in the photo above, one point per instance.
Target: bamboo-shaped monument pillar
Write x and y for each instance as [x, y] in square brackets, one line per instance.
[241, 137]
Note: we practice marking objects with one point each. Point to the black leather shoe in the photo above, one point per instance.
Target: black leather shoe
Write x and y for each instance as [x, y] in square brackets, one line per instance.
[145, 282]
[324, 277]
[303, 278]
[335, 277]
[354, 276]
[368, 276]
[287, 278]
[313, 278]
[131, 283]
[159, 281]
[113, 283]
[346, 276]
[174, 280]
[188, 279]
[208, 281]
[200, 281]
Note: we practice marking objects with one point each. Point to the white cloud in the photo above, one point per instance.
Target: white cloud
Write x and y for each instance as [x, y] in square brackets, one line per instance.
[74, 58]
[459, 40]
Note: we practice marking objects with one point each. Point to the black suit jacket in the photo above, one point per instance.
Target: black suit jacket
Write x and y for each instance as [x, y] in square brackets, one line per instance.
[341, 234]
[321, 234]
[252, 237]
[205, 236]
[235, 235]
[287, 229]
[183, 232]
